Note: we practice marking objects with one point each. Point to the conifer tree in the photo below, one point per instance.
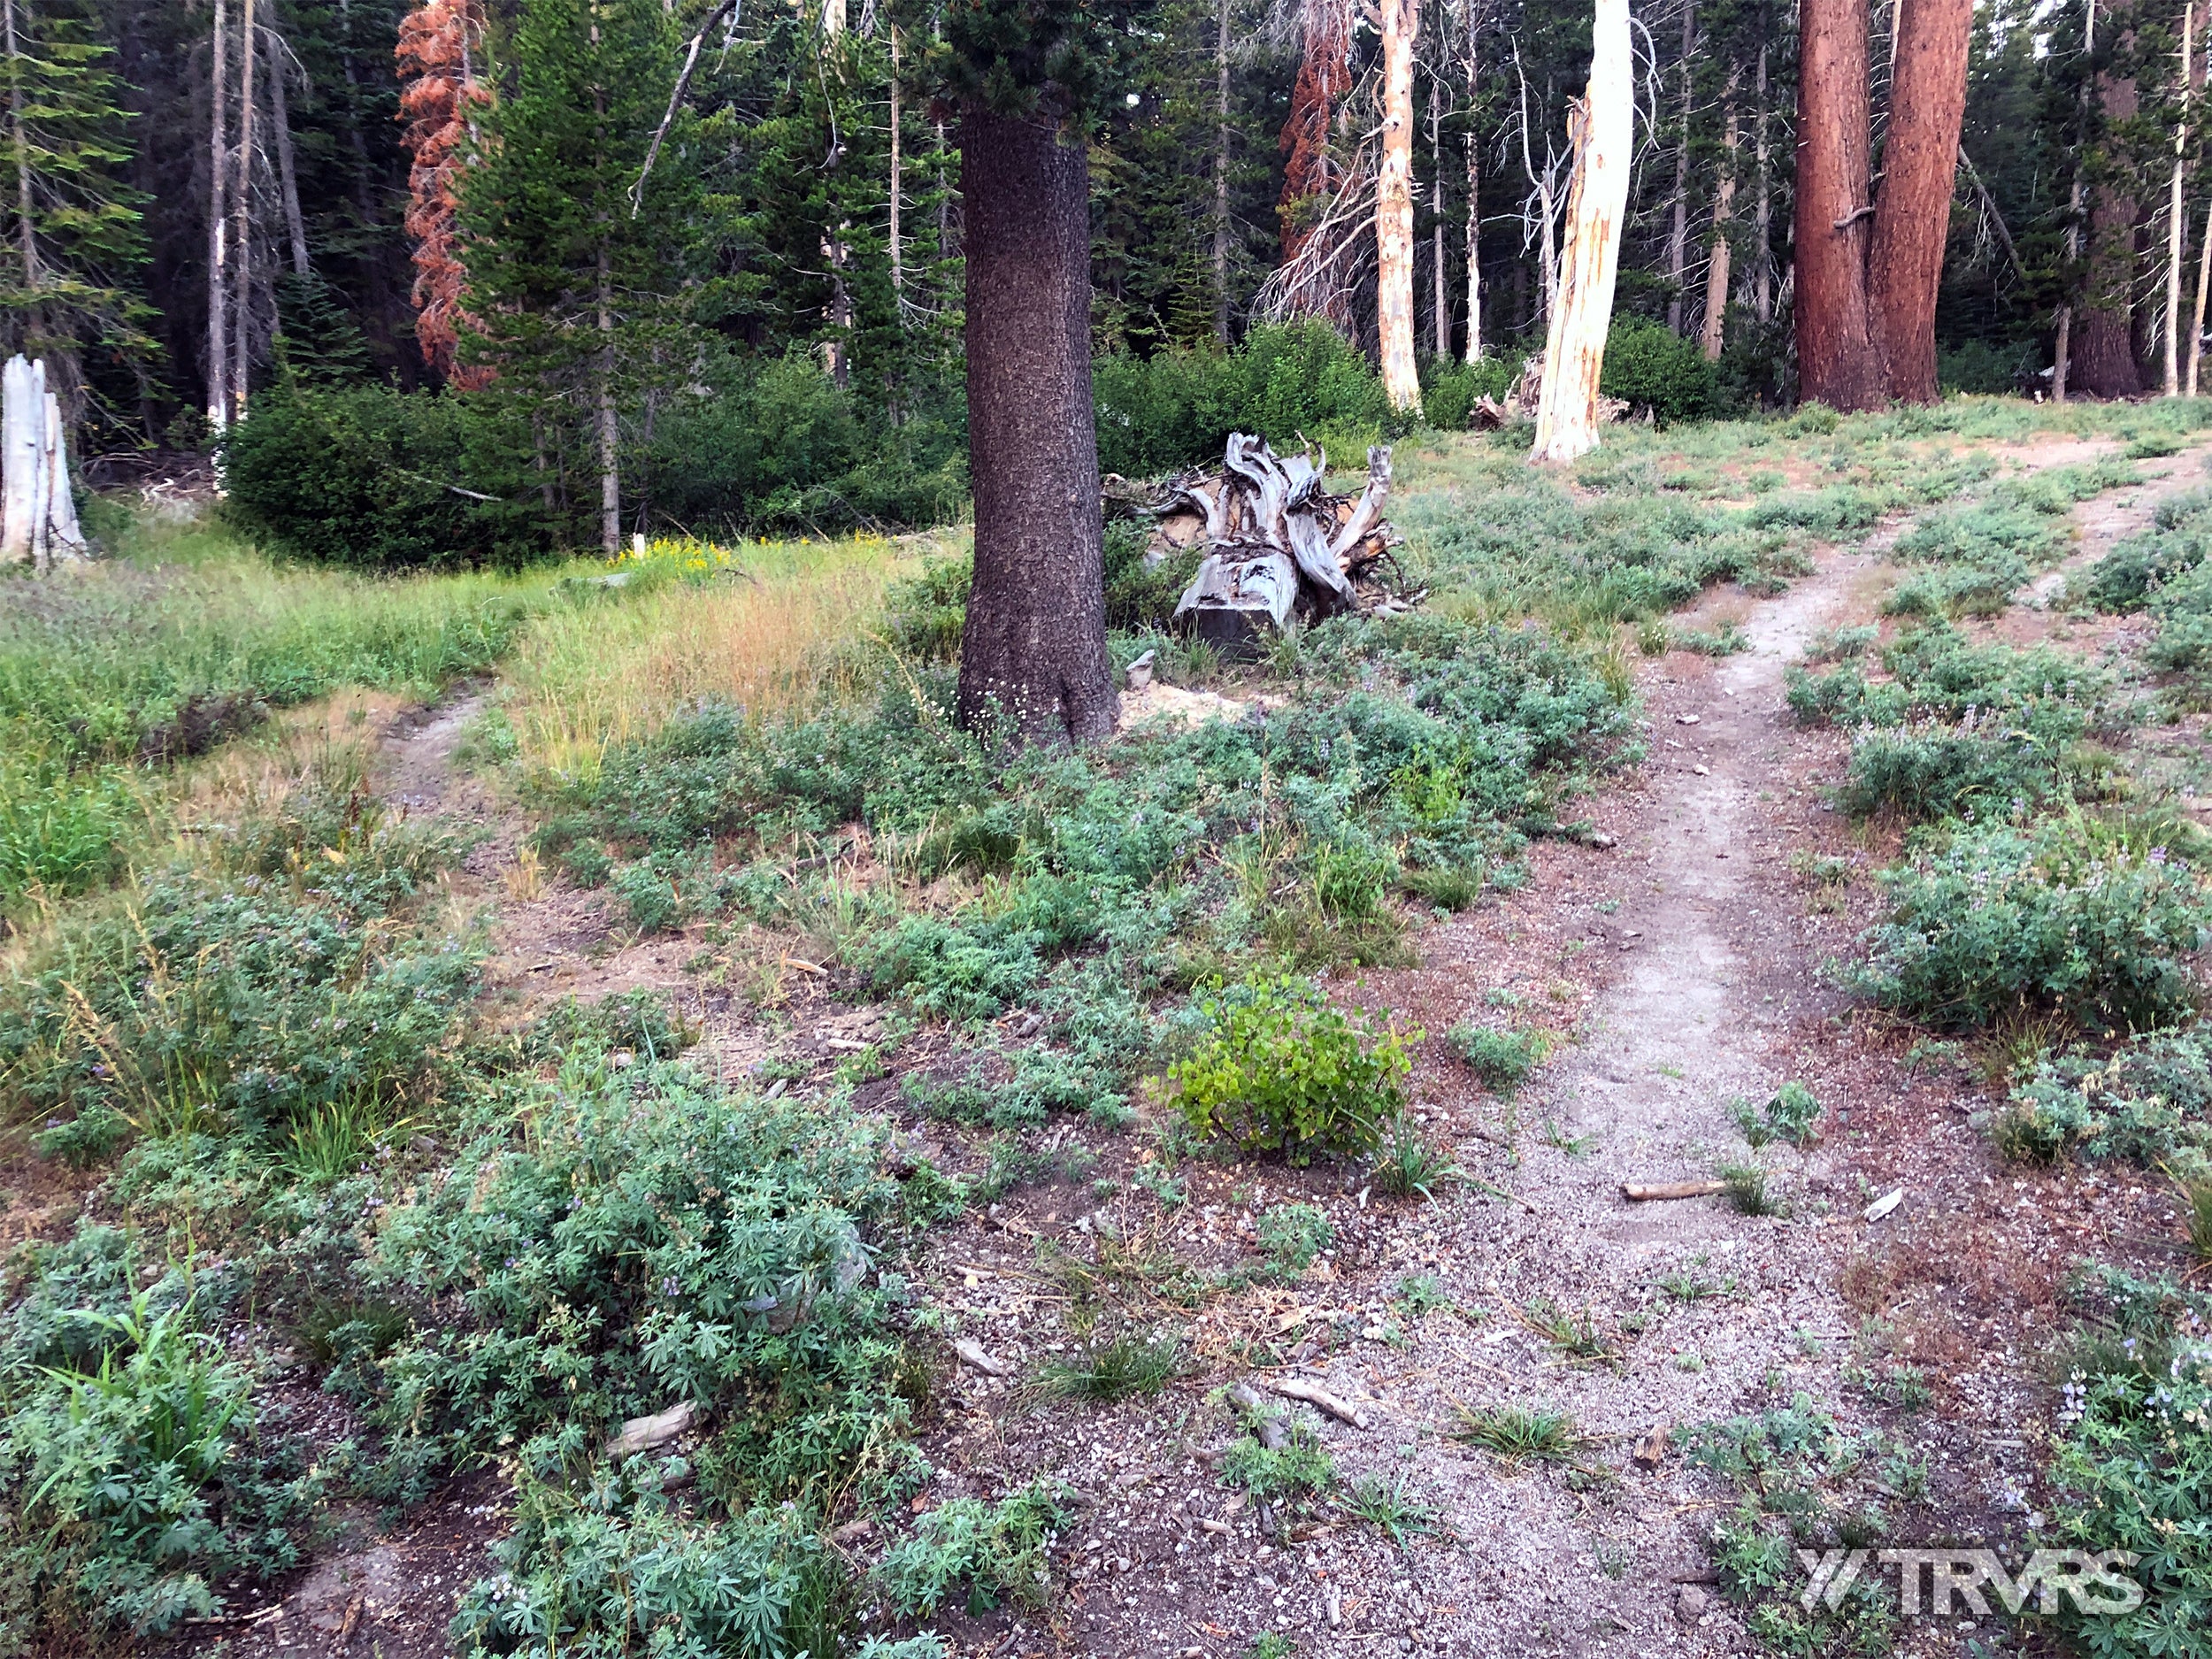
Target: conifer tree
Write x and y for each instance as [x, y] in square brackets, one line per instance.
[578, 303]
[76, 239]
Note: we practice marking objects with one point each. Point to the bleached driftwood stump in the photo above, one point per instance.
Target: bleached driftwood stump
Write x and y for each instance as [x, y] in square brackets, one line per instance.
[40, 514]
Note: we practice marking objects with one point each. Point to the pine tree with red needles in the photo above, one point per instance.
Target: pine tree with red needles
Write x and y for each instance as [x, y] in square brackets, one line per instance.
[438, 96]
[1308, 174]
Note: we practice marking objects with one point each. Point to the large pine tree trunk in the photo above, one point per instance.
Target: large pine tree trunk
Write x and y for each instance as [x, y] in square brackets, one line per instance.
[1927, 107]
[1604, 144]
[1838, 361]
[1394, 207]
[1033, 650]
[2103, 334]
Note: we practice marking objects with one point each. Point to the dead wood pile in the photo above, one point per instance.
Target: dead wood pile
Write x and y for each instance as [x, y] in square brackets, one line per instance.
[1521, 398]
[1277, 546]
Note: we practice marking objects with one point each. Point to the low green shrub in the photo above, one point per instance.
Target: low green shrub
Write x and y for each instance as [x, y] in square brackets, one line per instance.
[2149, 1101]
[617, 1570]
[1279, 1069]
[1922, 773]
[1989, 687]
[988, 1553]
[1294, 1472]
[653, 1240]
[2088, 917]
[137, 1470]
[2178, 541]
[1792, 1115]
[1293, 1235]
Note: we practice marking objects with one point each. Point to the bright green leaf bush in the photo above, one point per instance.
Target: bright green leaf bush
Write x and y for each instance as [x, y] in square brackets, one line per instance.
[1279, 1069]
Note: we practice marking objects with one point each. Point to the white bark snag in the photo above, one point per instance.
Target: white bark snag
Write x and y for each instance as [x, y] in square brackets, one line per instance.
[1601, 129]
[1394, 207]
[1724, 209]
[40, 517]
[288, 172]
[218, 227]
[1474, 181]
[898, 271]
[2177, 218]
[1221, 173]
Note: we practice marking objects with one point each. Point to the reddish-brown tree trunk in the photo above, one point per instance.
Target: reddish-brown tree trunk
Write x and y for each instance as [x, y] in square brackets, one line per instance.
[1032, 653]
[1837, 360]
[1927, 108]
[2103, 343]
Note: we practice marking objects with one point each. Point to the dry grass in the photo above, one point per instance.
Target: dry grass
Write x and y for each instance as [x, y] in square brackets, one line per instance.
[767, 627]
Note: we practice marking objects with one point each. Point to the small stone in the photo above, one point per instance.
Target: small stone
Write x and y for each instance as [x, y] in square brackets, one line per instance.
[1690, 1603]
[1685, 719]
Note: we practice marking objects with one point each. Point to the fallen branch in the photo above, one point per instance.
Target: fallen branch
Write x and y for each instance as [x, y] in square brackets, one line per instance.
[1298, 1389]
[1645, 1192]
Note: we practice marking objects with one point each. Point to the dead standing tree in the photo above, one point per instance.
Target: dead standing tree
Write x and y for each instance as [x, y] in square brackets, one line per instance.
[1602, 128]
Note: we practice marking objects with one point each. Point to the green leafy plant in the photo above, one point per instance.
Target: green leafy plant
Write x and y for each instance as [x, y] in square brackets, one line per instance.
[1745, 1186]
[1408, 1163]
[988, 1552]
[1385, 1505]
[2078, 915]
[1294, 1471]
[1293, 1235]
[1279, 1069]
[1125, 1365]
[1790, 1115]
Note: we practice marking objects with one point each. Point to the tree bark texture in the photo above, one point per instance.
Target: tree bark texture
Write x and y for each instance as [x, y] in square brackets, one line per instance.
[1221, 171]
[1033, 652]
[1838, 362]
[2204, 279]
[1441, 288]
[242, 227]
[1597, 201]
[2176, 216]
[1927, 108]
[1763, 268]
[2103, 335]
[1474, 190]
[1394, 207]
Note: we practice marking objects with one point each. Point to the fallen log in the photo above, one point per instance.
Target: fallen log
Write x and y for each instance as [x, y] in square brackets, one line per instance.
[1645, 1192]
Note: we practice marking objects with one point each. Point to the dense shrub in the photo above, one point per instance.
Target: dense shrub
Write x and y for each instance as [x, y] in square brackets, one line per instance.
[775, 445]
[372, 477]
[279, 995]
[1651, 367]
[988, 1552]
[2178, 541]
[1501, 1059]
[1985, 687]
[1448, 389]
[1989, 367]
[1178, 408]
[2077, 915]
[1279, 1069]
[2149, 1101]
[1936, 772]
